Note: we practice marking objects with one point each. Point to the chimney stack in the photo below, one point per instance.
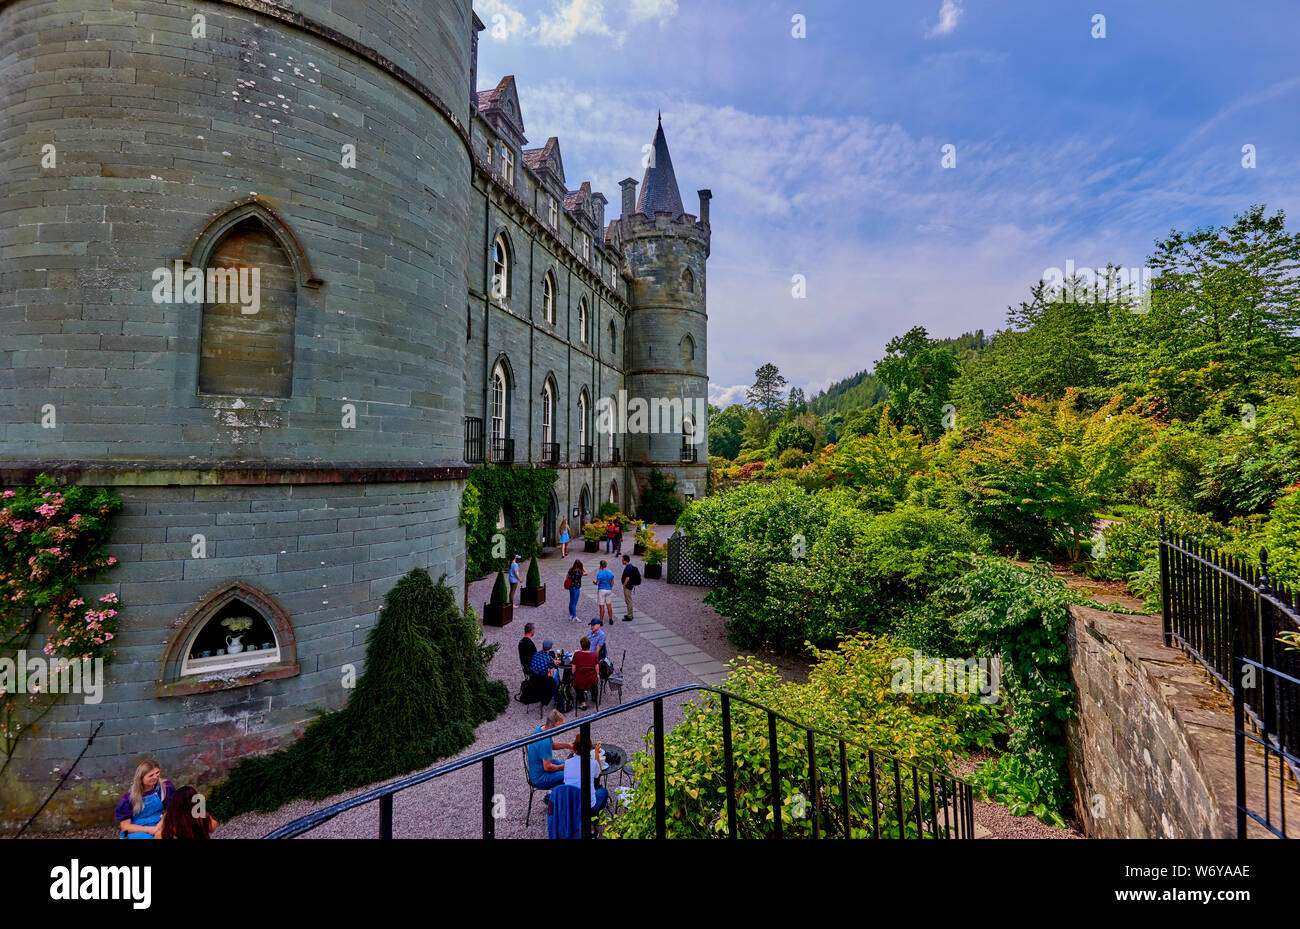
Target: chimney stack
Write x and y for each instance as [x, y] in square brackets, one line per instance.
[629, 197]
[705, 197]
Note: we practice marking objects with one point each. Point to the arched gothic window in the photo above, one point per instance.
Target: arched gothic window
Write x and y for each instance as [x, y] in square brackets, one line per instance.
[688, 281]
[500, 400]
[582, 321]
[548, 298]
[501, 269]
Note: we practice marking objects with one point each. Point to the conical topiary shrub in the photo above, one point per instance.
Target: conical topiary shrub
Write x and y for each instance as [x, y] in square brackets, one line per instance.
[534, 575]
[498, 611]
[534, 592]
[423, 693]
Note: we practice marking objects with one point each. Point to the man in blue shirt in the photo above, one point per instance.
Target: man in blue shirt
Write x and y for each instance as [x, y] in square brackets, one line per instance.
[605, 590]
[514, 578]
[597, 637]
[543, 771]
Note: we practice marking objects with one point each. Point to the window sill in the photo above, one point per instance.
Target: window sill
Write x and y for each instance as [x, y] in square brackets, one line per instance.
[235, 678]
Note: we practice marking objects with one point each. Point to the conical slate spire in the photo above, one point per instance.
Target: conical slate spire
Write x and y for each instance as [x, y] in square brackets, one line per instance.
[659, 191]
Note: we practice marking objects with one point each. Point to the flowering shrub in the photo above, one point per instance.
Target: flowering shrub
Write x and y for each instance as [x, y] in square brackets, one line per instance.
[52, 540]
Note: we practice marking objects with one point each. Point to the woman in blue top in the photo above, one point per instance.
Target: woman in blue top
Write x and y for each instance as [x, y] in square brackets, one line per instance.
[564, 539]
[141, 808]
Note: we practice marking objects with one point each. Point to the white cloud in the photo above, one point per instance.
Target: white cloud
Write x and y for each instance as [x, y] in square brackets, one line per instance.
[578, 17]
[725, 396]
[503, 21]
[641, 10]
[949, 13]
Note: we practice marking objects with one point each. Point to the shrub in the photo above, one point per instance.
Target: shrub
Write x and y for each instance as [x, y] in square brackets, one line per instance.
[500, 592]
[1130, 550]
[749, 471]
[534, 579]
[1282, 538]
[1021, 615]
[848, 692]
[791, 458]
[594, 531]
[424, 690]
[789, 436]
[659, 502]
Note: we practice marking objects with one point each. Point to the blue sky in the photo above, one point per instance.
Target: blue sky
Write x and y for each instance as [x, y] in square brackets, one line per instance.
[824, 152]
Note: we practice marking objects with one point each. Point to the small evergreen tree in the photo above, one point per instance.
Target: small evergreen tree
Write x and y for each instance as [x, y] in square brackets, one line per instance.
[499, 590]
[534, 575]
[424, 691]
[660, 503]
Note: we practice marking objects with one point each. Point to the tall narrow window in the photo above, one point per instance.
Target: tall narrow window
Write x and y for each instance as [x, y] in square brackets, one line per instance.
[613, 338]
[548, 298]
[508, 164]
[688, 281]
[688, 348]
[500, 269]
[499, 396]
[582, 418]
[586, 247]
[613, 409]
[555, 213]
[247, 324]
[582, 320]
[548, 413]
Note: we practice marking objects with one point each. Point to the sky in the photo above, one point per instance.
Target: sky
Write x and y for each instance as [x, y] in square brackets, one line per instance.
[822, 127]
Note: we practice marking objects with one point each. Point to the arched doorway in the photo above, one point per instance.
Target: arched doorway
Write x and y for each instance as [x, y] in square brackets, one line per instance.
[584, 506]
[549, 523]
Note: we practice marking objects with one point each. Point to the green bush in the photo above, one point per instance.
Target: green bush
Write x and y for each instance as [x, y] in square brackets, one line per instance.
[660, 503]
[1009, 781]
[522, 494]
[1021, 615]
[1130, 550]
[848, 692]
[424, 690]
[500, 592]
[791, 458]
[534, 579]
[1282, 539]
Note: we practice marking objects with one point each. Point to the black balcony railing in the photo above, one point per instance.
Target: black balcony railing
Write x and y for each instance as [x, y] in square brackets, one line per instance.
[615, 455]
[690, 454]
[1232, 619]
[550, 453]
[584, 454]
[840, 788]
[503, 451]
[473, 439]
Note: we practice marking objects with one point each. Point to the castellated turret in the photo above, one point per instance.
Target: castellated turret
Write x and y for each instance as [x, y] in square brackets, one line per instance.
[666, 249]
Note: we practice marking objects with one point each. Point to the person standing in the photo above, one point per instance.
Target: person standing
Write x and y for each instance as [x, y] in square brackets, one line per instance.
[605, 590]
[573, 584]
[564, 539]
[631, 578]
[618, 537]
[609, 537]
[514, 578]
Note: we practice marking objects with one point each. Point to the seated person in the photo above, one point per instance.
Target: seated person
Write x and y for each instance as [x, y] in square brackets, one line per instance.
[543, 677]
[585, 674]
[186, 817]
[527, 648]
[141, 808]
[597, 636]
[543, 770]
[573, 772]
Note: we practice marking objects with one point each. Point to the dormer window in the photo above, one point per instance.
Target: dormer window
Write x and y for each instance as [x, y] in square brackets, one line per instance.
[555, 213]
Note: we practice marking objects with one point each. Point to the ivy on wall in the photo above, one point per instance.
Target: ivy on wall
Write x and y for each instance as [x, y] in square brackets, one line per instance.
[523, 494]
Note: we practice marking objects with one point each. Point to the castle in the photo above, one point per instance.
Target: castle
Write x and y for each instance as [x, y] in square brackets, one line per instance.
[428, 297]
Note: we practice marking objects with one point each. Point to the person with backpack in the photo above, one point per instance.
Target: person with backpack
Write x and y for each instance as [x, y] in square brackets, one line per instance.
[573, 584]
[610, 529]
[631, 578]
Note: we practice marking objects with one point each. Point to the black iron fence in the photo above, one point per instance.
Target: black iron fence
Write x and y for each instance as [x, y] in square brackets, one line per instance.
[503, 451]
[1234, 620]
[473, 439]
[836, 787]
[690, 454]
[584, 454]
[683, 568]
[551, 453]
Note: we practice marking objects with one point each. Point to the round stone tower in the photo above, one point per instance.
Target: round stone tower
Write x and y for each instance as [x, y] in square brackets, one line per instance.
[665, 363]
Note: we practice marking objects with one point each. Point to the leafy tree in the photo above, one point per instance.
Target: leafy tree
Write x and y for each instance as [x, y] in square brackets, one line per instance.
[877, 466]
[766, 394]
[725, 428]
[917, 373]
[756, 431]
[1253, 461]
[788, 435]
[1037, 477]
[1223, 321]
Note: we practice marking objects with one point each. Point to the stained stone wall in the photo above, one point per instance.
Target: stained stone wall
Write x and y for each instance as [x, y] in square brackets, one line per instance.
[155, 133]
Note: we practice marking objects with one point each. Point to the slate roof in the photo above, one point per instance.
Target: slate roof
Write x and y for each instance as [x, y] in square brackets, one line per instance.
[659, 191]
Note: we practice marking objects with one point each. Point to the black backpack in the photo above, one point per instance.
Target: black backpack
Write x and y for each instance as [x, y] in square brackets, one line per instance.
[636, 575]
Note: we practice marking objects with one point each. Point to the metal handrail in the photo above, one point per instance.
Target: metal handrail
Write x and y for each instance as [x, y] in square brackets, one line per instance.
[385, 793]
